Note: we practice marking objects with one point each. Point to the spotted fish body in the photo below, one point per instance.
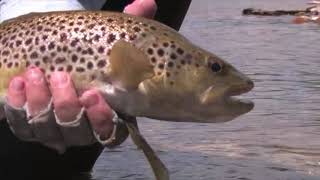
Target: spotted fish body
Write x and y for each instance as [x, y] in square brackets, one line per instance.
[142, 67]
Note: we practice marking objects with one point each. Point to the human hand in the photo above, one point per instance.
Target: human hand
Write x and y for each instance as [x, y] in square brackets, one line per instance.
[66, 125]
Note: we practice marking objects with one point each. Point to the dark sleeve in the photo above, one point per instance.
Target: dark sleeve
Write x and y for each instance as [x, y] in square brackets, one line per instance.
[25, 160]
[169, 12]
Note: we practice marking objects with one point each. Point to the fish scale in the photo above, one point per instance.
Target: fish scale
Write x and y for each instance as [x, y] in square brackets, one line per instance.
[142, 68]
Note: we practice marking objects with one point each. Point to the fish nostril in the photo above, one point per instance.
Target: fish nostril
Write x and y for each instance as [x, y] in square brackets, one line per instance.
[250, 83]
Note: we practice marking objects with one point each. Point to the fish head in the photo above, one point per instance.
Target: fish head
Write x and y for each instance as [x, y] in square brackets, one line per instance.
[197, 86]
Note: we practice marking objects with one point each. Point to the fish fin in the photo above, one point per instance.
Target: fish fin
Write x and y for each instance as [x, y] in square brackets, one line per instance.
[129, 66]
[159, 169]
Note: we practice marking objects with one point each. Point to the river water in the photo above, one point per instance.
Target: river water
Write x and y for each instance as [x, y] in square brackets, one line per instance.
[278, 140]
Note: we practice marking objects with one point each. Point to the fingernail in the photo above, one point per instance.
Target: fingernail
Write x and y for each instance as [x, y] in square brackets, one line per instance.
[90, 99]
[17, 84]
[34, 76]
[59, 79]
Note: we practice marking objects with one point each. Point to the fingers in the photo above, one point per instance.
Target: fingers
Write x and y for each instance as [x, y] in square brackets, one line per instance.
[16, 93]
[145, 8]
[99, 113]
[37, 91]
[64, 96]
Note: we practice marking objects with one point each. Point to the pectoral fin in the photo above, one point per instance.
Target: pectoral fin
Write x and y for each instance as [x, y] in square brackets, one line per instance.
[159, 169]
[129, 66]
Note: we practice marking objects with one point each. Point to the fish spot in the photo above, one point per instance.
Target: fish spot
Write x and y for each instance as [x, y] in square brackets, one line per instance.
[18, 43]
[28, 41]
[39, 28]
[123, 35]
[30, 48]
[37, 63]
[45, 59]
[51, 45]
[183, 62]
[161, 66]
[34, 55]
[91, 26]
[79, 49]
[132, 37]
[168, 74]
[90, 51]
[52, 68]
[69, 68]
[101, 63]
[4, 41]
[74, 42]
[82, 60]
[89, 65]
[80, 69]
[76, 29]
[74, 58]
[9, 65]
[165, 44]
[16, 64]
[84, 52]
[11, 45]
[170, 64]
[63, 37]
[59, 49]
[153, 60]
[96, 37]
[160, 52]
[5, 53]
[101, 50]
[65, 48]
[55, 32]
[103, 28]
[60, 60]
[60, 68]
[53, 54]
[110, 20]
[111, 38]
[13, 37]
[173, 56]
[71, 23]
[47, 30]
[153, 28]
[180, 51]
[16, 56]
[150, 51]
[43, 48]
[44, 37]
[136, 29]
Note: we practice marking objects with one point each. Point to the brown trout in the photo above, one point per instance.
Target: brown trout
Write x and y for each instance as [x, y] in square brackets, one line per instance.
[142, 67]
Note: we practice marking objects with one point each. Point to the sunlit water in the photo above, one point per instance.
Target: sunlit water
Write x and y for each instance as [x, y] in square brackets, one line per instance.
[279, 139]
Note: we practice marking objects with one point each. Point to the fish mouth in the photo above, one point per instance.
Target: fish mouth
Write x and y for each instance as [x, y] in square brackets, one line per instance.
[228, 97]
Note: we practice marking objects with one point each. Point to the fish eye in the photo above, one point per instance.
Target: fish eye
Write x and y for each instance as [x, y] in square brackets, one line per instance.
[216, 67]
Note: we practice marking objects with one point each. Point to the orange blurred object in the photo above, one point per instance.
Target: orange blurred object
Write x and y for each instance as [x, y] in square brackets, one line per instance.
[300, 20]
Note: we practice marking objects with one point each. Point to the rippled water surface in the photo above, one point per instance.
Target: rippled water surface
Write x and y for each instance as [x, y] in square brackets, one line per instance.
[279, 139]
